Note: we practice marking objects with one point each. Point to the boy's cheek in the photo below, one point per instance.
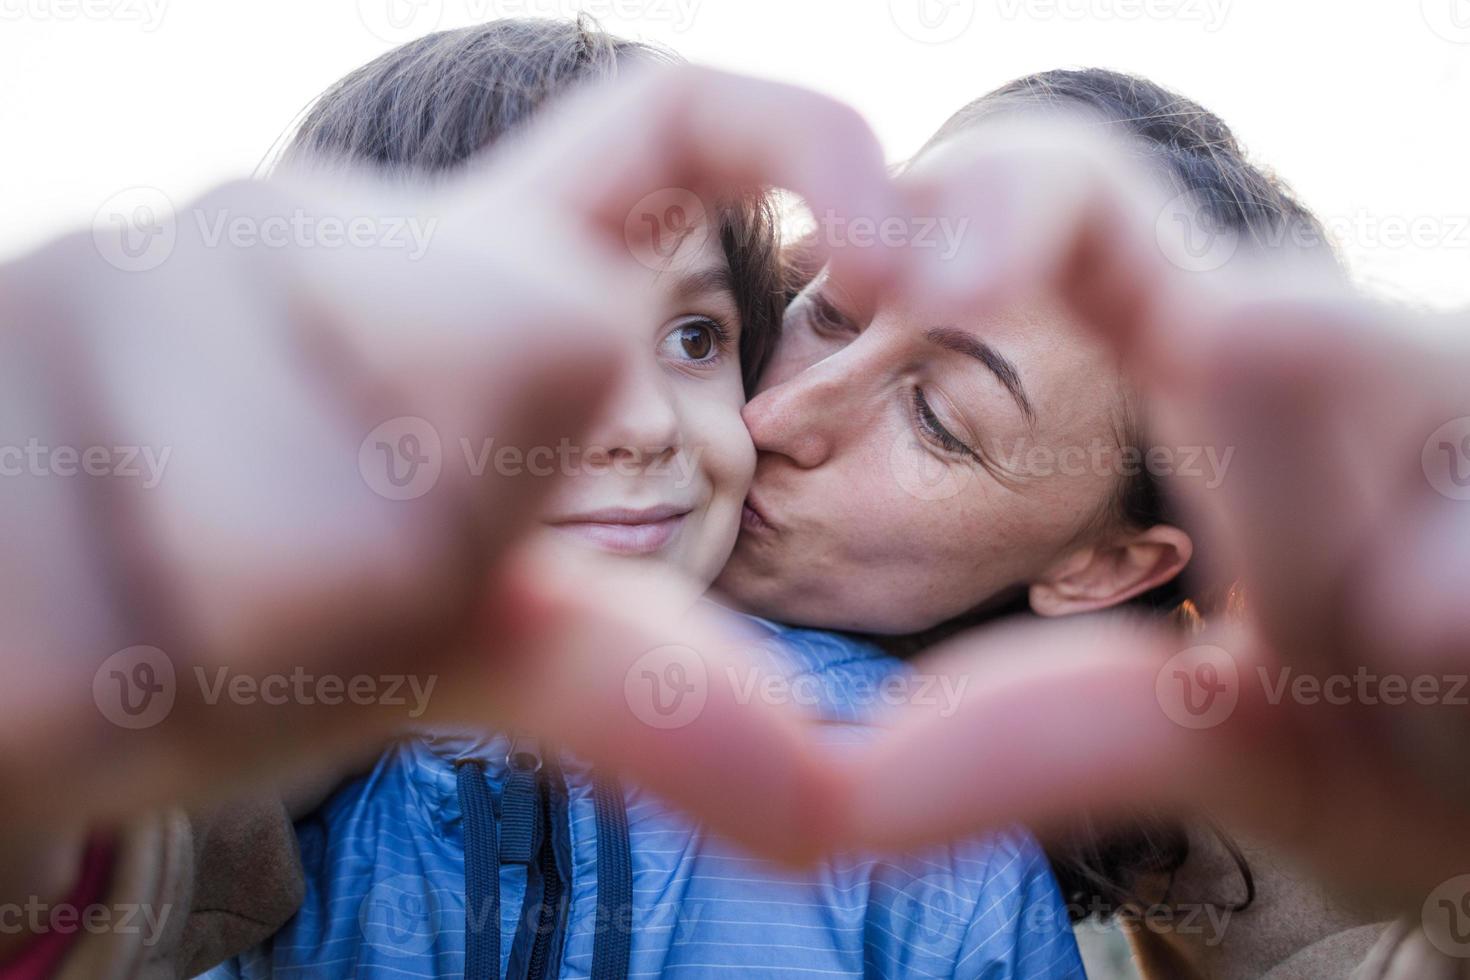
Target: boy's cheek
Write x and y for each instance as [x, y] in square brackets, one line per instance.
[722, 463]
[721, 450]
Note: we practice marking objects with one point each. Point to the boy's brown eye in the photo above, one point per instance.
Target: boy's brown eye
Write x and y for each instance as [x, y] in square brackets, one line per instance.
[697, 341]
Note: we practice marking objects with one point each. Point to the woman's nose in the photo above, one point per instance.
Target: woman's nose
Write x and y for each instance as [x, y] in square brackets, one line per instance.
[802, 418]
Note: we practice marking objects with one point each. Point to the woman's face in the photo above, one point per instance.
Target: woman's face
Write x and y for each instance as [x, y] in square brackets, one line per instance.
[911, 467]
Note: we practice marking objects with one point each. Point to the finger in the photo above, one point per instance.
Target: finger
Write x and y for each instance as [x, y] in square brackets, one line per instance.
[1048, 206]
[345, 493]
[705, 132]
[1056, 718]
[1292, 388]
[625, 675]
[268, 546]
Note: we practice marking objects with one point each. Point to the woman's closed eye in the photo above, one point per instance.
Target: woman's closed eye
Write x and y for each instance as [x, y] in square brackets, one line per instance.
[932, 429]
[700, 340]
[827, 319]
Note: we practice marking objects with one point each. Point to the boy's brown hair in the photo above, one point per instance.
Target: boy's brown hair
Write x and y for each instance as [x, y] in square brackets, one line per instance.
[428, 107]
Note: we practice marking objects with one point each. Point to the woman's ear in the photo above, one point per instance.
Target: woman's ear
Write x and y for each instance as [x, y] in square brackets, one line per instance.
[1103, 575]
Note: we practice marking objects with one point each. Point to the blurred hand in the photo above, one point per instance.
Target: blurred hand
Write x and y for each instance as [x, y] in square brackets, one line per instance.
[307, 518]
[1333, 717]
[1340, 518]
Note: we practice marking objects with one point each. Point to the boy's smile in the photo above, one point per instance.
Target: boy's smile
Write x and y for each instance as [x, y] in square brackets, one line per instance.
[624, 531]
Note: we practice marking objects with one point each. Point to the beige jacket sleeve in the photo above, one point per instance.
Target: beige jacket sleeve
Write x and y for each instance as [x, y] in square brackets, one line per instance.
[1295, 929]
[190, 891]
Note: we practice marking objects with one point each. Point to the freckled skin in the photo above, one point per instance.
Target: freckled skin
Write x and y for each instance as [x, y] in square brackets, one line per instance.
[876, 529]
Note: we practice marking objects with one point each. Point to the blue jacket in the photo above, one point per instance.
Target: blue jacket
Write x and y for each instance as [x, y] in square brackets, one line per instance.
[575, 892]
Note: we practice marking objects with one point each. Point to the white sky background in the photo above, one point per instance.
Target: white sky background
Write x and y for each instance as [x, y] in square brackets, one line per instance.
[1360, 104]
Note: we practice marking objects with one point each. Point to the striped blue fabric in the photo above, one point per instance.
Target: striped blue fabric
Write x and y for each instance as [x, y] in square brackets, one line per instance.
[385, 896]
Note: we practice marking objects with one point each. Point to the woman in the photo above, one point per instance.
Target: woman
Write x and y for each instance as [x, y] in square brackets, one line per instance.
[912, 481]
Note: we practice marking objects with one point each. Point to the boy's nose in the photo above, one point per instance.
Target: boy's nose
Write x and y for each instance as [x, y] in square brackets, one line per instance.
[641, 421]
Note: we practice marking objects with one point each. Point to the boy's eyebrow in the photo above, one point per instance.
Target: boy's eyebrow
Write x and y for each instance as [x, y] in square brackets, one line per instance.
[1001, 366]
[702, 282]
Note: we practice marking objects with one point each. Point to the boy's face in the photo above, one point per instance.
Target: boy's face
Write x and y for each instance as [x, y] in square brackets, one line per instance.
[663, 476]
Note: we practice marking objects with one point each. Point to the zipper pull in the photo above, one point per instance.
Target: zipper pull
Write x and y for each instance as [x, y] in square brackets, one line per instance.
[520, 807]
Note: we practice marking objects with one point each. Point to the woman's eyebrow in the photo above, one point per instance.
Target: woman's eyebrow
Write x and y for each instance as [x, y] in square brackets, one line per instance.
[1004, 370]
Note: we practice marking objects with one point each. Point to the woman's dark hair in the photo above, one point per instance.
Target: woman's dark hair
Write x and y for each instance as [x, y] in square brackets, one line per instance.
[429, 107]
[1102, 868]
[1195, 152]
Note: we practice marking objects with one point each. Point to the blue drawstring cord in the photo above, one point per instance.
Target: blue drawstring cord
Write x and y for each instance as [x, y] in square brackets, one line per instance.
[612, 947]
[481, 874]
